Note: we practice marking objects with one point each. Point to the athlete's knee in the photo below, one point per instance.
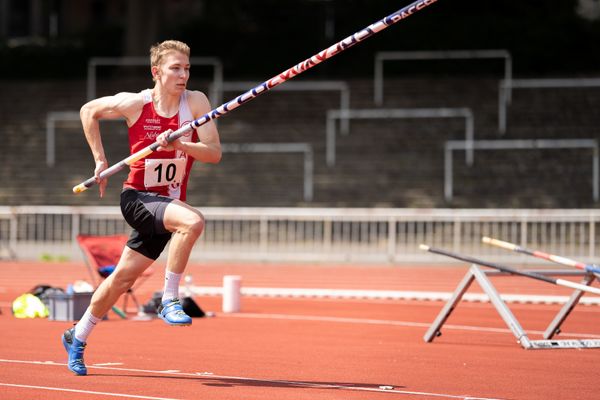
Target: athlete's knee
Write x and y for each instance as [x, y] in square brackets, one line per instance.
[194, 224]
[122, 281]
[110, 289]
[191, 224]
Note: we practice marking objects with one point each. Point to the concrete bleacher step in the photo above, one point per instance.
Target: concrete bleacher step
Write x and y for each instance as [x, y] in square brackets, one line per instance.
[396, 163]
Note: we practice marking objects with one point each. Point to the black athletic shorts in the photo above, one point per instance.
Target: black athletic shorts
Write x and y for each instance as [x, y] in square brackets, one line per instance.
[144, 212]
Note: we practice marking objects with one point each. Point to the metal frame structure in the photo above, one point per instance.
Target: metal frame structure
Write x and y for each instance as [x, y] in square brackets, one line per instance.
[216, 94]
[476, 273]
[304, 86]
[507, 86]
[380, 57]
[51, 119]
[61, 116]
[321, 235]
[267, 85]
[303, 148]
[398, 113]
[452, 145]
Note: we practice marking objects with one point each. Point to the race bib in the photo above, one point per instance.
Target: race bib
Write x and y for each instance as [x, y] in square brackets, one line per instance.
[162, 172]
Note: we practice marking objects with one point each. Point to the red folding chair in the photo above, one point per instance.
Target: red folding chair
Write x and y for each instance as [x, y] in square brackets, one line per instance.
[102, 254]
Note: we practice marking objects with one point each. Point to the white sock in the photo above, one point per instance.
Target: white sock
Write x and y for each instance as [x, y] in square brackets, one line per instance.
[85, 325]
[171, 290]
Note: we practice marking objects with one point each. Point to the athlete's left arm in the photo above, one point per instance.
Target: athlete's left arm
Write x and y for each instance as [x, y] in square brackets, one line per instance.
[208, 149]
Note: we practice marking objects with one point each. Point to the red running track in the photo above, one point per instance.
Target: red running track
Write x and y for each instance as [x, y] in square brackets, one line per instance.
[283, 348]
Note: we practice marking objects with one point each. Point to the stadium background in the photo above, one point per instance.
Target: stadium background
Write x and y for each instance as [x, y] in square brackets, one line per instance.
[46, 45]
[317, 273]
[257, 38]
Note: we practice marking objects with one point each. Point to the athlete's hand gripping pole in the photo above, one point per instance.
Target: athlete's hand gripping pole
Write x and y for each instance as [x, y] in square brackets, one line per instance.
[265, 86]
[131, 159]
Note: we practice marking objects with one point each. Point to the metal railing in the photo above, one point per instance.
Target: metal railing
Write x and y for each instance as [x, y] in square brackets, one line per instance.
[321, 235]
[398, 113]
[380, 57]
[303, 148]
[453, 145]
[303, 86]
[51, 119]
[507, 86]
[216, 93]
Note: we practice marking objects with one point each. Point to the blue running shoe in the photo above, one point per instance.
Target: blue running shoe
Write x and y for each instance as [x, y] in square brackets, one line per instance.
[75, 350]
[172, 313]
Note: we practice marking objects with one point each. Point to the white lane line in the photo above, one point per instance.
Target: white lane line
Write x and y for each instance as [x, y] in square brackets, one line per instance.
[107, 363]
[421, 295]
[57, 389]
[269, 381]
[390, 322]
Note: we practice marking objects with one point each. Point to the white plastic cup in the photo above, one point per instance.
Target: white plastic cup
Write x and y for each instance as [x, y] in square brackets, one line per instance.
[231, 293]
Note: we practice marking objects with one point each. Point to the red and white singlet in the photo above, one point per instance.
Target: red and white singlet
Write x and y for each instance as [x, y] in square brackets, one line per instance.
[162, 172]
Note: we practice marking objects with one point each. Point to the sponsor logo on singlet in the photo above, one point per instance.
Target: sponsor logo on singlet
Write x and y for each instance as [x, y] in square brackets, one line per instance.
[152, 128]
[188, 133]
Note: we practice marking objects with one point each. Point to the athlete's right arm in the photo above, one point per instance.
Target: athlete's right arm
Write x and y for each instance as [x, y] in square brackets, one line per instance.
[122, 105]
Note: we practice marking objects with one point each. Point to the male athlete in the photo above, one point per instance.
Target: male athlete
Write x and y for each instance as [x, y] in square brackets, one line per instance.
[153, 196]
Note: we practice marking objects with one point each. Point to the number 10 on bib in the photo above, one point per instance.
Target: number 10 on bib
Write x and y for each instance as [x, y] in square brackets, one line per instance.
[163, 172]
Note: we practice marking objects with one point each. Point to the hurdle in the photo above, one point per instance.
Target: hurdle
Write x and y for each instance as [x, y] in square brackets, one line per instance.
[591, 270]
[476, 273]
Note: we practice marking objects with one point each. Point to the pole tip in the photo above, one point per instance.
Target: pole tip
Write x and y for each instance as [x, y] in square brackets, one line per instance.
[79, 188]
[486, 239]
[424, 247]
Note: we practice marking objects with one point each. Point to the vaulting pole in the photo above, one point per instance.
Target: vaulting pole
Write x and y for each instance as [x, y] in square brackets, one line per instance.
[533, 275]
[540, 254]
[265, 86]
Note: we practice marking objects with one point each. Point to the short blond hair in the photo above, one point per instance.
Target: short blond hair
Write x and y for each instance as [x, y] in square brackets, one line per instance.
[159, 50]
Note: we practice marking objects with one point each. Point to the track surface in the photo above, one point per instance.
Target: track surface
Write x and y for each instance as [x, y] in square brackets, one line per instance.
[302, 348]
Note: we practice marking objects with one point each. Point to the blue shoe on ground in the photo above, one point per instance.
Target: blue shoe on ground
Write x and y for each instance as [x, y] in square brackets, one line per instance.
[75, 350]
[172, 313]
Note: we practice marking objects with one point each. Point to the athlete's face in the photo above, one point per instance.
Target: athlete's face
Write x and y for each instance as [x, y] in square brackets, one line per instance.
[174, 72]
